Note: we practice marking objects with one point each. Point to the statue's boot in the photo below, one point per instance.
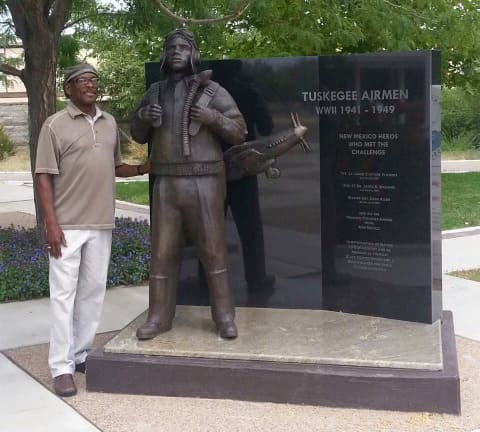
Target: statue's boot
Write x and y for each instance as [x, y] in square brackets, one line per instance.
[223, 313]
[161, 308]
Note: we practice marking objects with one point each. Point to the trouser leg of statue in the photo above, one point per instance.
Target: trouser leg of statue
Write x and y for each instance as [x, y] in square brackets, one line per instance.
[206, 227]
[223, 313]
[161, 307]
[193, 207]
[167, 244]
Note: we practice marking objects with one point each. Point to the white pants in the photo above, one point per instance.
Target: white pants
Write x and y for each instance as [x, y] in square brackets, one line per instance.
[77, 288]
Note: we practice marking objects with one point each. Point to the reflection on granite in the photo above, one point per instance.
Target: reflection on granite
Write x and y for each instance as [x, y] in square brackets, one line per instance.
[294, 336]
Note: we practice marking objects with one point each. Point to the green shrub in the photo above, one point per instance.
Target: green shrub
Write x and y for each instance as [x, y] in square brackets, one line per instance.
[6, 145]
[463, 142]
[460, 120]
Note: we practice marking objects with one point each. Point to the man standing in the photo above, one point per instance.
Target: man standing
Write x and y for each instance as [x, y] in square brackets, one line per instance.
[186, 117]
[78, 156]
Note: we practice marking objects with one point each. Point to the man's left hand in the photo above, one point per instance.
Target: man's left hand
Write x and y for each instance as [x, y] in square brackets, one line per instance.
[203, 115]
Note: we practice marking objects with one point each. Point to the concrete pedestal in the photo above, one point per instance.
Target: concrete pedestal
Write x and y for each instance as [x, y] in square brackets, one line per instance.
[288, 356]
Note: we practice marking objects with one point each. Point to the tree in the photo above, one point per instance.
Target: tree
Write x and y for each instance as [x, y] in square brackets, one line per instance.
[313, 27]
[122, 45]
[39, 24]
[271, 28]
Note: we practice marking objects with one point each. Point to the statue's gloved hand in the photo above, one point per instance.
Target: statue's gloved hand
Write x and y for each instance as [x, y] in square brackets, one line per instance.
[150, 113]
[203, 115]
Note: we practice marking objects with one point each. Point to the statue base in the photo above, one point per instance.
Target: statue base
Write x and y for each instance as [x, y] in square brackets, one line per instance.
[312, 357]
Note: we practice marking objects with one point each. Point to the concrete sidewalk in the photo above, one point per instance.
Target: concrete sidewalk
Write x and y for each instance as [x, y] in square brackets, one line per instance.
[460, 166]
[26, 323]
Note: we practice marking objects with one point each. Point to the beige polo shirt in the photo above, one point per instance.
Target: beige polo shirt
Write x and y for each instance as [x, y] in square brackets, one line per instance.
[82, 154]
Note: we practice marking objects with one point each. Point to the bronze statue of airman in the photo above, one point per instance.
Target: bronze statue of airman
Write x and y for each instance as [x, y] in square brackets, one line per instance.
[186, 117]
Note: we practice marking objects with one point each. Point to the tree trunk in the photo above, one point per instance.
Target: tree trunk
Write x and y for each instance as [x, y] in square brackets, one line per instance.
[40, 82]
[38, 23]
[39, 79]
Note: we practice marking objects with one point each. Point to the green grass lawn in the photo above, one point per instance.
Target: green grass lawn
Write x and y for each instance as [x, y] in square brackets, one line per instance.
[136, 192]
[460, 198]
[461, 208]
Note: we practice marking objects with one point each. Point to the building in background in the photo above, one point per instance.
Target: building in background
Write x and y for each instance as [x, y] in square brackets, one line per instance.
[13, 97]
[11, 86]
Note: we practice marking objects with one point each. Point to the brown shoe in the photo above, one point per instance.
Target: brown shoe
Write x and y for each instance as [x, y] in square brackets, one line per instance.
[227, 329]
[64, 385]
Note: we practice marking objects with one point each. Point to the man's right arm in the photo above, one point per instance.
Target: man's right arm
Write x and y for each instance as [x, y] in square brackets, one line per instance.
[54, 234]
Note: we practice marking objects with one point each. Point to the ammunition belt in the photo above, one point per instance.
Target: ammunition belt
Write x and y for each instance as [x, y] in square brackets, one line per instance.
[188, 169]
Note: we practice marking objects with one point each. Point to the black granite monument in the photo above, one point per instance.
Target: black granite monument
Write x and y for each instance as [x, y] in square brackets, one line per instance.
[354, 226]
[379, 152]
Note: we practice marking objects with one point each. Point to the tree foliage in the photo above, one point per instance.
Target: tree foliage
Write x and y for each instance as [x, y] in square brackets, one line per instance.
[125, 35]
[303, 27]
[271, 28]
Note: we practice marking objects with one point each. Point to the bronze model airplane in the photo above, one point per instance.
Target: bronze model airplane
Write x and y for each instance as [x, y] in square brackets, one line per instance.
[254, 157]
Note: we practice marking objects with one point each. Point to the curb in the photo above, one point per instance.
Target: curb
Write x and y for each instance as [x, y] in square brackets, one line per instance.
[460, 232]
